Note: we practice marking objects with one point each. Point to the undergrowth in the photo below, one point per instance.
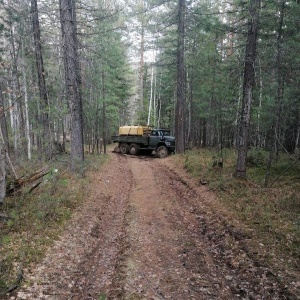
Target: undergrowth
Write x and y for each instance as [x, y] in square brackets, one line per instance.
[34, 219]
[273, 212]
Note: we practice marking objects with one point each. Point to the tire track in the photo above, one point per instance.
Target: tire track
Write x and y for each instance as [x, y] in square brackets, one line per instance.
[147, 232]
[83, 263]
[242, 273]
[154, 266]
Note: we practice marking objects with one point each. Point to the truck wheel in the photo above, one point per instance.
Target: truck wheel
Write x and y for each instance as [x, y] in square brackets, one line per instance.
[124, 148]
[134, 149]
[162, 151]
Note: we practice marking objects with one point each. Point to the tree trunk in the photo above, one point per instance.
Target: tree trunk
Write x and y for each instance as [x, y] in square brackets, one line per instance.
[142, 58]
[3, 125]
[159, 102]
[297, 140]
[73, 81]
[63, 136]
[103, 113]
[2, 173]
[13, 103]
[279, 98]
[258, 131]
[44, 105]
[151, 97]
[154, 98]
[97, 125]
[27, 125]
[3, 147]
[189, 139]
[180, 103]
[248, 84]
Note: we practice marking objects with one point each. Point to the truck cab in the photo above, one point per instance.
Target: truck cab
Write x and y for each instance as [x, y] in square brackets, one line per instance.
[161, 141]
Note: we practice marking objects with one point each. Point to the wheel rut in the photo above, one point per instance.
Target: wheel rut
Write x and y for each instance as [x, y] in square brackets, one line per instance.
[156, 265]
[83, 263]
[146, 232]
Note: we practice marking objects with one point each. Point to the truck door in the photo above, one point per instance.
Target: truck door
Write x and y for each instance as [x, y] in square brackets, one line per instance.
[154, 139]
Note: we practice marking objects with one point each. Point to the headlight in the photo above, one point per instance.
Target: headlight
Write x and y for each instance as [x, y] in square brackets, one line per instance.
[168, 144]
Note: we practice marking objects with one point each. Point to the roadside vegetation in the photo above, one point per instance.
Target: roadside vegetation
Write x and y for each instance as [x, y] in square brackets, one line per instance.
[31, 220]
[271, 213]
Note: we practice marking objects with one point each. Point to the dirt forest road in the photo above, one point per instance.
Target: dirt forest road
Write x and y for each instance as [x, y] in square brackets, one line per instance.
[146, 231]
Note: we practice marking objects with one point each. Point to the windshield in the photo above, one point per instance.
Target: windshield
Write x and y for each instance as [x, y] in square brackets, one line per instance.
[160, 133]
[165, 132]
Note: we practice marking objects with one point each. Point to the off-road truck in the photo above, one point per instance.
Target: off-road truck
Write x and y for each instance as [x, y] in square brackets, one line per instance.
[136, 139]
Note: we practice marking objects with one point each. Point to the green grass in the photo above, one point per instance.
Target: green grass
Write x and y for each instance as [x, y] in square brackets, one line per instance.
[36, 219]
[102, 296]
[273, 213]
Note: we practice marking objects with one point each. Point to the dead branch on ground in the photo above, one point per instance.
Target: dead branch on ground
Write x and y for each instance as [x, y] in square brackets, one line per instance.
[25, 180]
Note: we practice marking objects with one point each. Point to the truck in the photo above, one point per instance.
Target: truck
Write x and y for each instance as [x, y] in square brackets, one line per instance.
[135, 139]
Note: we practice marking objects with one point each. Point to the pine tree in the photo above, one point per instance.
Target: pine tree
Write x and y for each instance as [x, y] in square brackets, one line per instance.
[248, 85]
[73, 80]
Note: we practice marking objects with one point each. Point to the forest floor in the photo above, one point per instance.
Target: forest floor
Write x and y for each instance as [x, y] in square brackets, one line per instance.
[146, 230]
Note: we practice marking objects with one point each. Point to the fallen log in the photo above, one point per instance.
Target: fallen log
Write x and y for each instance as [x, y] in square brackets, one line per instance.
[17, 184]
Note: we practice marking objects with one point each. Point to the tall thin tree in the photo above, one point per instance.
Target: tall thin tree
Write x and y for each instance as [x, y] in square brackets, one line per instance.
[248, 84]
[73, 80]
[180, 103]
[44, 105]
[280, 91]
[3, 147]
